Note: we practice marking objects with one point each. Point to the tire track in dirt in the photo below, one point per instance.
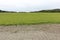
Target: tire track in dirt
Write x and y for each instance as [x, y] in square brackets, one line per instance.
[30, 32]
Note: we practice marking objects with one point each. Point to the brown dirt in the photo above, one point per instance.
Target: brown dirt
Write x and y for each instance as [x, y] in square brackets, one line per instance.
[30, 32]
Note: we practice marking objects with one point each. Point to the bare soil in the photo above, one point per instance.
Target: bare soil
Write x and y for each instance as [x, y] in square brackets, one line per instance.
[30, 32]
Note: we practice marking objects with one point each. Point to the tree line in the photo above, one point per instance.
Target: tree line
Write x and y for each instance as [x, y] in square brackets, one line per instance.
[52, 10]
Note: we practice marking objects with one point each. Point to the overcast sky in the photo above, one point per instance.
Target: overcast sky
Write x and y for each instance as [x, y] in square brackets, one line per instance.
[28, 5]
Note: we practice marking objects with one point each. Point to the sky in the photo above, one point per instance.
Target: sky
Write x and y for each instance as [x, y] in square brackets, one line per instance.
[28, 5]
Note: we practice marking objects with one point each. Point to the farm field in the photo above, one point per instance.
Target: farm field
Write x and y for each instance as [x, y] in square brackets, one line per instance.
[30, 26]
[28, 18]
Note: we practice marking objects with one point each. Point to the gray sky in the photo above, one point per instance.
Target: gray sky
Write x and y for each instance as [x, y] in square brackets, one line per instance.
[28, 5]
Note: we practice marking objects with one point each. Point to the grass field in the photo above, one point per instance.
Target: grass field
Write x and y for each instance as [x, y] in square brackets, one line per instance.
[28, 18]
